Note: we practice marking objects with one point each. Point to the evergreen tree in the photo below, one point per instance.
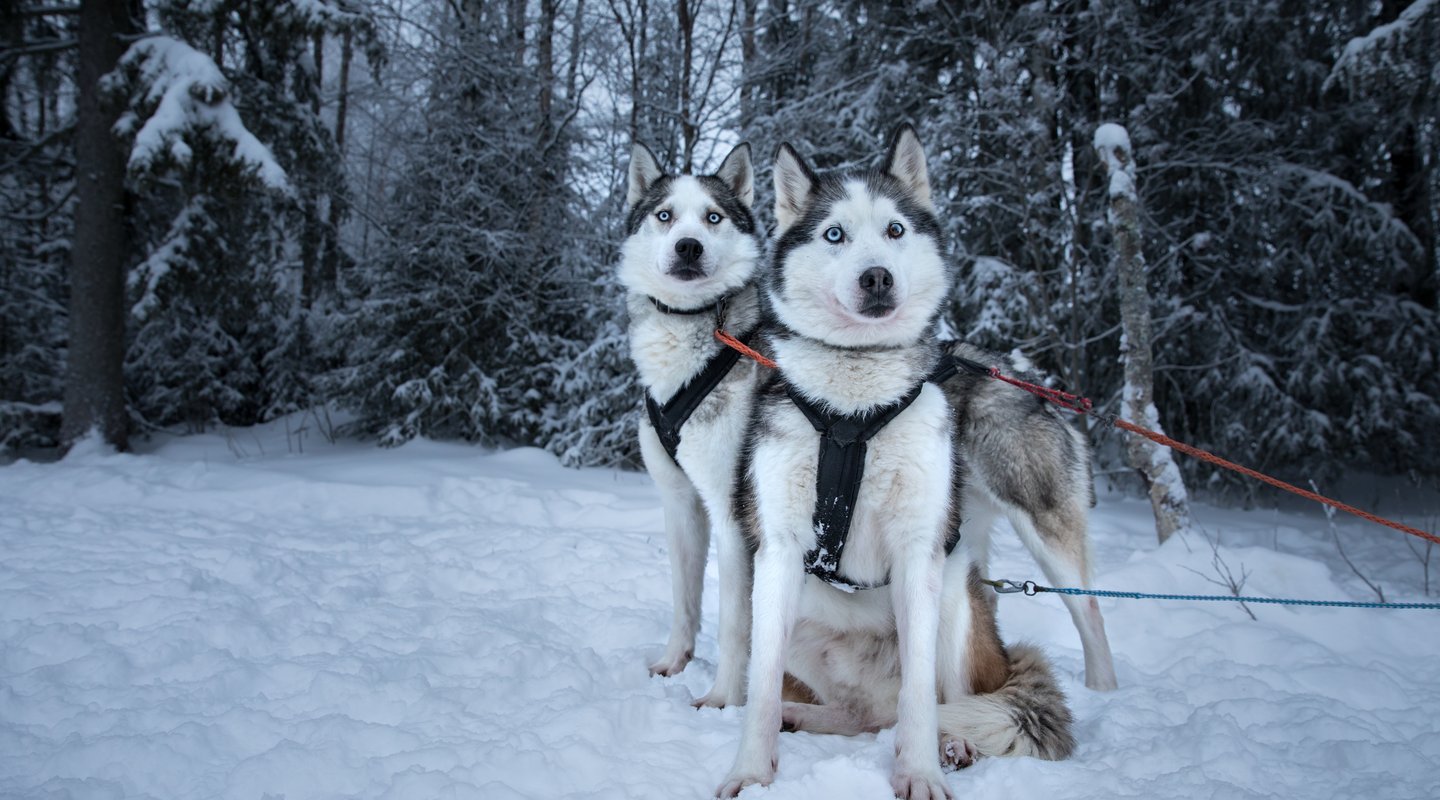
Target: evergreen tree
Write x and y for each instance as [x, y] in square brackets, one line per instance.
[36, 203]
[473, 300]
[234, 221]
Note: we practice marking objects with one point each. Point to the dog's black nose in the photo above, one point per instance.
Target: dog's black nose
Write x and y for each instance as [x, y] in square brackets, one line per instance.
[689, 250]
[877, 281]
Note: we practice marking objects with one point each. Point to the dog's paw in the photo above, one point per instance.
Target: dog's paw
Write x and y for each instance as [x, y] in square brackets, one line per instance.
[920, 785]
[738, 779]
[671, 664]
[746, 771]
[792, 717]
[956, 753]
[720, 698]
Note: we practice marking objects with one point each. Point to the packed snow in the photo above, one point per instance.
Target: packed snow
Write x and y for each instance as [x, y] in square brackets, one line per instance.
[228, 616]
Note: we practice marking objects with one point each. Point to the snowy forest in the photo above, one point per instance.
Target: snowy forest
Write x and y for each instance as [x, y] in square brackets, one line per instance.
[400, 218]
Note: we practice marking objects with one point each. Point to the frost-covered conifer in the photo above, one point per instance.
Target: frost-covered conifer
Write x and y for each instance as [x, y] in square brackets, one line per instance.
[478, 298]
[234, 167]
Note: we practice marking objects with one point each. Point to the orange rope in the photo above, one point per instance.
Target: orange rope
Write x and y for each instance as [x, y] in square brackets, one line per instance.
[1083, 405]
[744, 349]
[1276, 482]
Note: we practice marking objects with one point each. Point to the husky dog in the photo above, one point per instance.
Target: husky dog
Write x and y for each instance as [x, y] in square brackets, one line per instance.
[1028, 463]
[688, 265]
[857, 284]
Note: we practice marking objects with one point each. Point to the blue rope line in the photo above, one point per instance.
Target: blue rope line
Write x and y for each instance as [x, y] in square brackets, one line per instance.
[1031, 588]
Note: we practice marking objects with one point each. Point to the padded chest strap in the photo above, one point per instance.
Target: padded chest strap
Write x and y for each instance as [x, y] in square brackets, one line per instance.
[669, 418]
[837, 478]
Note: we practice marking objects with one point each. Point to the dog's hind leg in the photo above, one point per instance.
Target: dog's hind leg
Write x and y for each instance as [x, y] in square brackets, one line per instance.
[813, 718]
[1057, 538]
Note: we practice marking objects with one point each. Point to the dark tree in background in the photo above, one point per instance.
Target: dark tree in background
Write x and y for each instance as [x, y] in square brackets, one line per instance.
[94, 385]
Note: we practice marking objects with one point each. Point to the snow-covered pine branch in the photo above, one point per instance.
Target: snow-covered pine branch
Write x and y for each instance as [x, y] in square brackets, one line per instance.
[177, 93]
[1380, 45]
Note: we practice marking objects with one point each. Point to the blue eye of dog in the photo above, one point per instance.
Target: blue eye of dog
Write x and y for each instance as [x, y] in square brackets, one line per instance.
[834, 235]
[663, 216]
[895, 230]
[713, 218]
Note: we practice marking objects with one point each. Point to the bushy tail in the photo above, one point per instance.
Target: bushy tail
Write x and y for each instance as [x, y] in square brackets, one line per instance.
[1026, 716]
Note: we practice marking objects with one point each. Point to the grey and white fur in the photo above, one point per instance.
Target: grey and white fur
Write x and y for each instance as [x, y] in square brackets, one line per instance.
[691, 242]
[858, 280]
[1029, 464]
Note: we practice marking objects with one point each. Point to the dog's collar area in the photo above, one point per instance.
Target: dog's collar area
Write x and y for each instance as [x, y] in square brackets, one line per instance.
[789, 332]
[718, 305]
[669, 418]
[841, 469]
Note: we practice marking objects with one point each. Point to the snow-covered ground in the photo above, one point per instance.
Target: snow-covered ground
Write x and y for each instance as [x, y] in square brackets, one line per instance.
[222, 617]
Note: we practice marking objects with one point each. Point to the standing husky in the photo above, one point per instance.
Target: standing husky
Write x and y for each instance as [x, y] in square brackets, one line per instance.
[688, 264]
[1028, 463]
[858, 282]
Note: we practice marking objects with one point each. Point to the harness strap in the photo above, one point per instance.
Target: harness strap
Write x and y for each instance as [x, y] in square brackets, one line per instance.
[669, 418]
[950, 366]
[838, 475]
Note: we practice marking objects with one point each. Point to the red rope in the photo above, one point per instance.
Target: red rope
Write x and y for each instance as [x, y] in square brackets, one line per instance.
[744, 349]
[1083, 405]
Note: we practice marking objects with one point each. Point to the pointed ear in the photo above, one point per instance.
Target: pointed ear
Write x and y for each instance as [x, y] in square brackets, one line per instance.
[793, 184]
[737, 173]
[644, 169]
[906, 162]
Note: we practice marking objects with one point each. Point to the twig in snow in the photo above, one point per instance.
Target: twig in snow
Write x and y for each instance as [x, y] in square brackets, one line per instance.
[1225, 577]
[1335, 534]
[1424, 558]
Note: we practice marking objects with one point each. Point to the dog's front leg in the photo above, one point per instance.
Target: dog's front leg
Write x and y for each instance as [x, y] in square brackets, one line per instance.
[687, 532]
[735, 574]
[778, 578]
[916, 595]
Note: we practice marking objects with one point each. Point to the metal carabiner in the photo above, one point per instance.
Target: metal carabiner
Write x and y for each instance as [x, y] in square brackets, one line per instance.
[1004, 586]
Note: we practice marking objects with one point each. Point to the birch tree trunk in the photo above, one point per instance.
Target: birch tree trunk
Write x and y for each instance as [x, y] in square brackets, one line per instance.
[1155, 464]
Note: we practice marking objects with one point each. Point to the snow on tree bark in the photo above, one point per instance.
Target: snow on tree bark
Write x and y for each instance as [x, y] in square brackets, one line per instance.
[1154, 463]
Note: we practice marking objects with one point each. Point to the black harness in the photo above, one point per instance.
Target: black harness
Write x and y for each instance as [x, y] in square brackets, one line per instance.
[669, 418]
[838, 474]
[951, 365]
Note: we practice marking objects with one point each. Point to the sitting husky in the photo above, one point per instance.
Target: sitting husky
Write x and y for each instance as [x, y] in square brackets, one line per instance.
[688, 264]
[886, 624]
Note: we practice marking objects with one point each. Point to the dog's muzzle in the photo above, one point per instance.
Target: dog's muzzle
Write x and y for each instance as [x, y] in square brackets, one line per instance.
[686, 266]
[877, 287]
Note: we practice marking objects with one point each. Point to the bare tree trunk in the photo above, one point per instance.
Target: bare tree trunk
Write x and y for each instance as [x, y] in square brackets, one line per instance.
[748, 89]
[577, 39]
[94, 371]
[516, 19]
[330, 265]
[545, 53]
[1155, 464]
[688, 132]
[317, 44]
